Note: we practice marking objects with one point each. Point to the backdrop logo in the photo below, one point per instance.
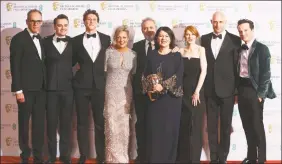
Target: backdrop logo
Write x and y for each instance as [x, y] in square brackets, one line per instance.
[202, 7]
[105, 23]
[8, 25]
[250, 7]
[9, 141]
[8, 40]
[9, 6]
[8, 108]
[273, 25]
[69, 7]
[270, 128]
[8, 74]
[113, 6]
[77, 23]
[14, 7]
[125, 22]
[233, 146]
[56, 6]
[153, 6]
[131, 23]
[103, 5]
[14, 126]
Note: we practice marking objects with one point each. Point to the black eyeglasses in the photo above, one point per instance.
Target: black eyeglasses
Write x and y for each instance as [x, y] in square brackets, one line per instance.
[35, 21]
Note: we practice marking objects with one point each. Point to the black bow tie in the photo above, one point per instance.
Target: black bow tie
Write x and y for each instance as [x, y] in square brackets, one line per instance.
[91, 35]
[35, 36]
[245, 47]
[62, 39]
[217, 36]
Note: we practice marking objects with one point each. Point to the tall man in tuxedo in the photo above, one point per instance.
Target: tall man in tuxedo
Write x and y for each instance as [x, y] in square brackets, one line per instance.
[142, 48]
[89, 83]
[58, 50]
[219, 85]
[254, 86]
[28, 82]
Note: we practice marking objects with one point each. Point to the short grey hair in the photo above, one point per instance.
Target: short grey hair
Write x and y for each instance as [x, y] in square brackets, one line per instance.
[148, 19]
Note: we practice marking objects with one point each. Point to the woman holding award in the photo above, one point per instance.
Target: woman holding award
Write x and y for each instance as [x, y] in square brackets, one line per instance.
[162, 82]
[120, 65]
[193, 105]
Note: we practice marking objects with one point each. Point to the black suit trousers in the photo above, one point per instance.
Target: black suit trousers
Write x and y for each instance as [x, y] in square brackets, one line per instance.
[34, 107]
[82, 99]
[222, 107]
[251, 113]
[59, 110]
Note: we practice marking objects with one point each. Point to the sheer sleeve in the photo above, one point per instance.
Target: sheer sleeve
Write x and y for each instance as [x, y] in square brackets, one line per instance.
[134, 64]
[203, 63]
[173, 85]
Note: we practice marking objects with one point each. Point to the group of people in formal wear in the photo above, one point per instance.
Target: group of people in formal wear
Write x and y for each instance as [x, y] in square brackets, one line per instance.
[170, 88]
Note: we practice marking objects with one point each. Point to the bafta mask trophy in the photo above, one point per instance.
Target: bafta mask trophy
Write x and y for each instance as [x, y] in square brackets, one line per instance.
[154, 79]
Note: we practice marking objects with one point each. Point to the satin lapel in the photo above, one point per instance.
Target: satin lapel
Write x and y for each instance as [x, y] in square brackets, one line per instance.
[83, 48]
[209, 50]
[252, 49]
[224, 45]
[31, 43]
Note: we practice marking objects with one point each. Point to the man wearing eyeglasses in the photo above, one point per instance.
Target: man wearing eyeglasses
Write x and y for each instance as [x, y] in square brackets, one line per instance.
[28, 84]
[89, 84]
[58, 50]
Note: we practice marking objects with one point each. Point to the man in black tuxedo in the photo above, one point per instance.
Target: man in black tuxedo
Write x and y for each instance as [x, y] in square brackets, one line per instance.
[58, 50]
[28, 82]
[254, 86]
[142, 48]
[89, 83]
[219, 85]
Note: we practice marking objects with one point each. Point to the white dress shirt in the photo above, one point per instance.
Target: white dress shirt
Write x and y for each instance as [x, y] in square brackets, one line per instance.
[36, 42]
[60, 46]
[147, 45]
[92, 45]
[216, 44]
[244, 72]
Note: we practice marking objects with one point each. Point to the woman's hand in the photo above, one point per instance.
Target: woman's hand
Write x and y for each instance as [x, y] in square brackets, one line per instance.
[158, 87]
[195, 99]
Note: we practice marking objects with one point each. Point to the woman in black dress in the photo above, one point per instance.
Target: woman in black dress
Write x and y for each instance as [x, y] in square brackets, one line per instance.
[163, 114]
[193, 105]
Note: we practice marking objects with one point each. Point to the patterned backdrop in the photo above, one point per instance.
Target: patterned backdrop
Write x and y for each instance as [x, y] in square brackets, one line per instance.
[177, 15]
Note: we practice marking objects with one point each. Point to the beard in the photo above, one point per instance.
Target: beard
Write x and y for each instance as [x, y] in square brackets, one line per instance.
[149, 35]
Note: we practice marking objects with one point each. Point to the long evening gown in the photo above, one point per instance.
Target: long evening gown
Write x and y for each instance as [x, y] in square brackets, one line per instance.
[118, 104]
[163, 115]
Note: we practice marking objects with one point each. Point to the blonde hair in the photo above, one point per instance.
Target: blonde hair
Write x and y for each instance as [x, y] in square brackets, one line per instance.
[120, 29]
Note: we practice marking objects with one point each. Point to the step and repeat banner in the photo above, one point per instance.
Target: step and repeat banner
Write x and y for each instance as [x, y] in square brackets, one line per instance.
[265, 14]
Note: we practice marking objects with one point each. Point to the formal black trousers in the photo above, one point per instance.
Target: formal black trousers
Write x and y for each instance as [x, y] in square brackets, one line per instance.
[141, 105]
[34, 107]
[190, 135]
[222, 107]
[82, 99]
[251, 113]
[59, 110]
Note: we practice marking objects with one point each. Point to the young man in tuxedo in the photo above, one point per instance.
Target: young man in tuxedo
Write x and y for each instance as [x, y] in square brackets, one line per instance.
[58, 50]
[219, 85]
[142, 48]
[254, 86]
[89, 83]
[28, 83]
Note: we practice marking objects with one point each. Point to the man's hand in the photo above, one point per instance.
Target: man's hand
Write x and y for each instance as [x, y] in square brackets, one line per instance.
[260, 99]
[20, 97]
